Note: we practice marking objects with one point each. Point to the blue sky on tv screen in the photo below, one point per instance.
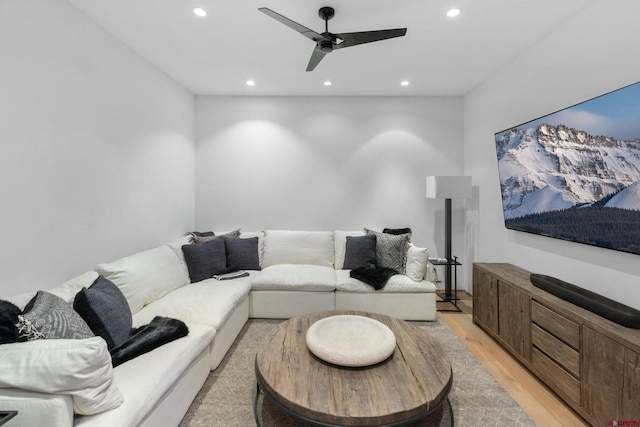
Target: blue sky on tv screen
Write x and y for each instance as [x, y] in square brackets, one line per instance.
[615, 114]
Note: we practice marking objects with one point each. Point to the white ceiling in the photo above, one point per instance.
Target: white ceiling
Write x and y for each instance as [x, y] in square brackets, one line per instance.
[217, 54]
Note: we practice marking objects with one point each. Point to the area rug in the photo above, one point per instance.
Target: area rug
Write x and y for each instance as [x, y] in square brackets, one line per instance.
[226, 399]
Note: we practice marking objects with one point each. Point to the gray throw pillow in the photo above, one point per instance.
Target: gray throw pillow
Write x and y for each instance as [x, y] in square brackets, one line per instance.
[105, 309]
[360, 251]
[50, 317]
[204, 260]
[242, 254]
[391, 250]
[207, 238]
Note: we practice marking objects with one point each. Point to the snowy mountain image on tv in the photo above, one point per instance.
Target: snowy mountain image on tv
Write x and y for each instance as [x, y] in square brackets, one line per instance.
[575, 174]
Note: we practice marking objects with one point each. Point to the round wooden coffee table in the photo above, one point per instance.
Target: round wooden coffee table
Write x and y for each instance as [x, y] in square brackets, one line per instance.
[408, 386]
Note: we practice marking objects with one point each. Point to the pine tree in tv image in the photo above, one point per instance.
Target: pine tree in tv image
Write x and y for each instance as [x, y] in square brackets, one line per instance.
[575, 174]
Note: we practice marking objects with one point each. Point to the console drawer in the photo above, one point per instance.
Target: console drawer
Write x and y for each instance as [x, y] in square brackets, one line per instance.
[555, 376]
[557, 350]
[558, 325]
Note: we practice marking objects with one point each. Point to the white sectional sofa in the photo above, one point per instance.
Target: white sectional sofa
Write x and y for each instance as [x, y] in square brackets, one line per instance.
[301, 273]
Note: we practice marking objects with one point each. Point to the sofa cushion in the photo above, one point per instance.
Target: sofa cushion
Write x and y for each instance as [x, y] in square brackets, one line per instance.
[8, 319]
[105, 309]
[80, 368]
[242, 253]
[391, 250]
[298, 247]
[205, 259]
[68, 290]
[360, 251]
[50, 317]
[209, 302]
[20, 300]
[417, 263]
[144, 380]
[398, 283]
[295, 277]
[176, 246]
[340, 245]
[145, 276]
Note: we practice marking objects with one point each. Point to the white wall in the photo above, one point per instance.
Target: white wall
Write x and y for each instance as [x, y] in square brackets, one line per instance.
[593, 53]
[97, 156]
[327, 163]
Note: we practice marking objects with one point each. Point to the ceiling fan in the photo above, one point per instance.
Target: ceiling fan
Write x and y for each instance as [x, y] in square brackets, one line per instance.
[327, 42]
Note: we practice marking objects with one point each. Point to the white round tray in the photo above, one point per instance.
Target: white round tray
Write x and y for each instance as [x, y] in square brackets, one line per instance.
[348, 340]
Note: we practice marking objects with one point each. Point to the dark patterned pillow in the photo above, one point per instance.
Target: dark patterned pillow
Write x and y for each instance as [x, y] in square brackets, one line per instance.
[242, 254]
[202, 239]
[205, 259]
[391, 250]
[200, 234]
[8, 319]
[50, 317]
[106, 311]
[397, 231]
[360, 251]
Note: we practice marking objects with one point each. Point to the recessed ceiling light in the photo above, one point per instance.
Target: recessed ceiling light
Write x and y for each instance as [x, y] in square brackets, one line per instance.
[404, 83]
[327, 83]
[251, 83]
[452, 13]
[198, 11]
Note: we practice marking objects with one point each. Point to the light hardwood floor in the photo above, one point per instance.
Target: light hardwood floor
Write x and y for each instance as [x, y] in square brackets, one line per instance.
[542, 405]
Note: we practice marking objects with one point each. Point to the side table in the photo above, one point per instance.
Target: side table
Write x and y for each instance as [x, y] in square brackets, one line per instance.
[452, 297]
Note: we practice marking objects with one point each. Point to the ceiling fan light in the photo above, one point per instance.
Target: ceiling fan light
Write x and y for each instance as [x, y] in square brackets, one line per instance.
[251, 83]
[327, 83]
[404, 83]
[453, 12]
[198, 11]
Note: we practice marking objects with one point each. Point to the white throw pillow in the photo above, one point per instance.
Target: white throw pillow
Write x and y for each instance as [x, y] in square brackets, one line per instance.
[298, 247]
[146, 276]
[417, 263]
[79, 368]
[260, 235]
[68, 290]
[340, 245]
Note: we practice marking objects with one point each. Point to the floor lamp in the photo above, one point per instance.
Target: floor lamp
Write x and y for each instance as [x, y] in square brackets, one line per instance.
[447, 188]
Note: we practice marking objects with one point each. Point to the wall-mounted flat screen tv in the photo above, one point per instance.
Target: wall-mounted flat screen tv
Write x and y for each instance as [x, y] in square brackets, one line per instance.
[575, 174]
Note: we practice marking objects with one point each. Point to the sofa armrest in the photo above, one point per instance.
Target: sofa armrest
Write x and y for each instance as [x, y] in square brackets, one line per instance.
[37, 409]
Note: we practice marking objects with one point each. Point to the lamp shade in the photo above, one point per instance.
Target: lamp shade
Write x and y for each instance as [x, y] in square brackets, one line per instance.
[448, 187]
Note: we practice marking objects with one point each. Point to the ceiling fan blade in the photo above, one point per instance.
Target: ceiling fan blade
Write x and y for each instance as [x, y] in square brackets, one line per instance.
[308, 33]
[316, 57]
[352, 39]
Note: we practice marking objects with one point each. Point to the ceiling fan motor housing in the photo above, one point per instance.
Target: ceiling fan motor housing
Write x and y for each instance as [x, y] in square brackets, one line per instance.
[326, 46]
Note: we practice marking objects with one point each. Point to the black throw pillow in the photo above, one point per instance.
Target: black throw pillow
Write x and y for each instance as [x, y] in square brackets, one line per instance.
[397, 231]
[242, 254]
[8, 319]
[205, 260]
[360, 251]
[106, 310]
